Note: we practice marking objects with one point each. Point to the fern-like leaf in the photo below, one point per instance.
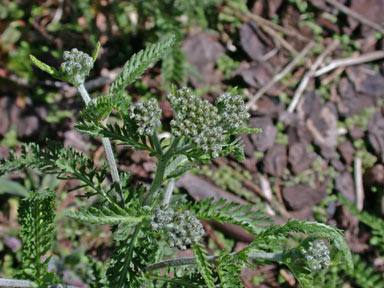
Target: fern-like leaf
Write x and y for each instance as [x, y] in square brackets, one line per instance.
[233, 213]
[140, 62]
[130, 260]
[314, 230]
[36, 217]
[54, 159]
[229, 268]
[375, 223]
[204, 265]
[106, 215]
[174, 68]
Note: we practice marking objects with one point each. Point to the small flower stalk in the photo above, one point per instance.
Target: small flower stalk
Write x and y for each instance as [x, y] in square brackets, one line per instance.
[181, 229]
[316, 255]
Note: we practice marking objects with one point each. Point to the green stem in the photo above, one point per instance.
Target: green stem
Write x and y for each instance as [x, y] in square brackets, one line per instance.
[192, 261]
[108, 148]
[156, 143]
[128, 256]
[160, 171]
[171, 280]
[168, 193]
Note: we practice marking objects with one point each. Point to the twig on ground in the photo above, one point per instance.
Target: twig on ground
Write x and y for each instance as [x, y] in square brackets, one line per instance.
[280, 75]
[359, 183]
[368, 57]
[267, 28]
[267, 191]
[279, 39]
[356, 15]
[309, 74]
[332, 76]
[288, 277]
[264, 22]
[253, 187]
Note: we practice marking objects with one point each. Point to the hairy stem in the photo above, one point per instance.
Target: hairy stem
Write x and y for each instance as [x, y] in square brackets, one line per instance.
[107, 146]
[171, 280]
[160, 172]
[191, 260]
[168, 193]
[15, 283]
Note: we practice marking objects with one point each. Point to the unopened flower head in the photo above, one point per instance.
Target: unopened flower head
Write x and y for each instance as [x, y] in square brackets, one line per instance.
[198, 119]
[316, 255]
[146, 115]
[76, 66]
[181, 229]
[232, 110]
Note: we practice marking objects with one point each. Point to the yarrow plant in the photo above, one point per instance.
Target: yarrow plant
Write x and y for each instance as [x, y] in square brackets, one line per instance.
[145, 221]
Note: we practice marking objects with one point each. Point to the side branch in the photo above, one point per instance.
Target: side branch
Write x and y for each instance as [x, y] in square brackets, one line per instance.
[107, 146]
[192, 261]
[14, 283]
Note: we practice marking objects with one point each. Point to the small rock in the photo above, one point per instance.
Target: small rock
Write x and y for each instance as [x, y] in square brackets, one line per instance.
[28, 126]
[299, 157]
[255, 74]
[376, 134]
[356, 133]
[250, 41]
[344, 183]
[337, 164]
[301, 196]
[249, 149]
[203, 51]
[374, 176]
[366, 80]
[264, 140]
[347, 151]
[275, 161]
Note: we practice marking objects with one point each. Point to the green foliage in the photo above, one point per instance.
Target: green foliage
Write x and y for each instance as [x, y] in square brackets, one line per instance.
[13, 188]
[129, 260]
[175, 68]
[364, 275]
[113, 216]
[65, 162]
[203, 264]
[273, 234]
[228, 212]
[229, 268]
[139, 246]
[372, 221]
[36, 217]
[139, 63]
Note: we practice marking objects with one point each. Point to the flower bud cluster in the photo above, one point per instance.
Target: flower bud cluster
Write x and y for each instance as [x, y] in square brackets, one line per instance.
[316, 255]
[147, 116]
[232, 110]
[76, 66]
[198, 119]
[181, 229]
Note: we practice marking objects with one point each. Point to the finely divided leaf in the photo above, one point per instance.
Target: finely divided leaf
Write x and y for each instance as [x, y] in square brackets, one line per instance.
[232, 212]
[36, 217]
[106, 216]
[204, 265]
[45, 67]
[140, 62]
